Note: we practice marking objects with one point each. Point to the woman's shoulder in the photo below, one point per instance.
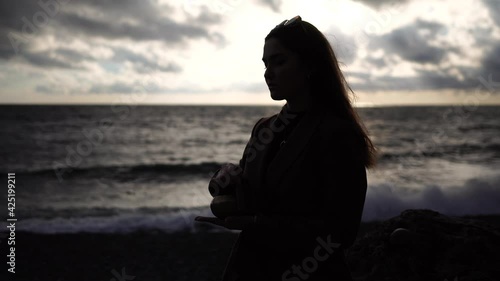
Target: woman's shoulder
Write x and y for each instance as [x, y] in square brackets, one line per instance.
[263, 122]
[329, 125]
[268, 119]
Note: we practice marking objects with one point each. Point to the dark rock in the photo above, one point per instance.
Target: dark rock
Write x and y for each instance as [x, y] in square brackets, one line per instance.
[426, 245]
[402, 237]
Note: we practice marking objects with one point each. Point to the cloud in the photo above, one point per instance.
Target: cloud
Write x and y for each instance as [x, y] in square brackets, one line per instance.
[13, 12]
[434, 55]
[491, 63]
[111, 20]
[66, 58]
[166, 30]
[377, 62]
[494, 9]
[44, 89]
[387, 83]
[471, 77]
[144, 20]
[46, 59]
[377, 4]
[428, 64]
[411, 42]
[113, 45]
[121, 88]
[432, 79]
[275, 5]
[141, 63]
[144, 84]
[99, 24]
[344, 46]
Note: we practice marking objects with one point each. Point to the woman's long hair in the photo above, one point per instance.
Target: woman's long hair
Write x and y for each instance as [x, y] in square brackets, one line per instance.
[329, 89]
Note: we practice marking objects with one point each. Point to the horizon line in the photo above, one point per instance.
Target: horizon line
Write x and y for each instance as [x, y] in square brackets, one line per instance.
[368, 105]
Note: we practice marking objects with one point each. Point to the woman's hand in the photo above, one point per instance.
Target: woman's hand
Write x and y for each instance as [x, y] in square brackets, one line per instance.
[232, 222]
[225, 180]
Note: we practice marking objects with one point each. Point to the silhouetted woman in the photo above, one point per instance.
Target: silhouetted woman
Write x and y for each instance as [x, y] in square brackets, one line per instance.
[301, 182]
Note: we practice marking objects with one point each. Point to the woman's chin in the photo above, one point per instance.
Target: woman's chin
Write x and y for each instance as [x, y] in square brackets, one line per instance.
[276, 96]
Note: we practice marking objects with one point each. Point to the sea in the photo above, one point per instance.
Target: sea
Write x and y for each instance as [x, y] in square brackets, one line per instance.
[124, 168]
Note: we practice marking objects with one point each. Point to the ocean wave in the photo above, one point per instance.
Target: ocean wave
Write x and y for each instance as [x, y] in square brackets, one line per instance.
[479, 127]
[484, 153]
[475, 197]
[79, 212]
[173, 220]
[480, 196]
[142, 169]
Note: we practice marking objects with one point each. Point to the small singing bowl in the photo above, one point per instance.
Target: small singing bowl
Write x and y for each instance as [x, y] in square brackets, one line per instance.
[223, 206]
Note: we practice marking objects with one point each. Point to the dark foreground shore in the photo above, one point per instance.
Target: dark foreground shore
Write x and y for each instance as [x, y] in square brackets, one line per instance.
[146, 255]
[151, 255]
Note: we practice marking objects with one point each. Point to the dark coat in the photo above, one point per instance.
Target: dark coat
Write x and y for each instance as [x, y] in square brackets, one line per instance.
[309, 199]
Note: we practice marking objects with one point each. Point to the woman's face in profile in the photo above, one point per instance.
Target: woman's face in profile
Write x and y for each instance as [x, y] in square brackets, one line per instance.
[284, 75]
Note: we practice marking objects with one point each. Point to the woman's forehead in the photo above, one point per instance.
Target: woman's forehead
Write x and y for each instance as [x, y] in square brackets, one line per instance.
[273, 48]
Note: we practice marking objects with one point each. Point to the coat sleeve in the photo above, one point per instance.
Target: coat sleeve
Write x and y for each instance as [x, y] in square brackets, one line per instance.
[246, 152]
[341, 194]
[243, 197]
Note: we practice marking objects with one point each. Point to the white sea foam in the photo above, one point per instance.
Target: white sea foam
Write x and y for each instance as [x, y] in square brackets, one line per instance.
[177, 221]
[476, 196]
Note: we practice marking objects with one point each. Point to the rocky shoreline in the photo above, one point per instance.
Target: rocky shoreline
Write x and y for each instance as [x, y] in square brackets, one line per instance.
[426, 246]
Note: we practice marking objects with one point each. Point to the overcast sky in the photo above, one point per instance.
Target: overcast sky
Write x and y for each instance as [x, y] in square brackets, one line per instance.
[209, 51]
